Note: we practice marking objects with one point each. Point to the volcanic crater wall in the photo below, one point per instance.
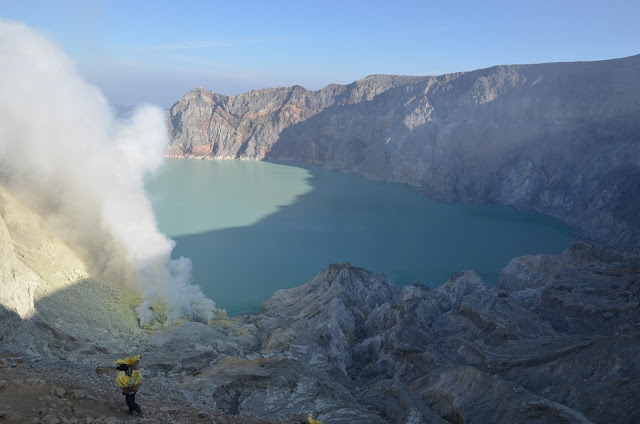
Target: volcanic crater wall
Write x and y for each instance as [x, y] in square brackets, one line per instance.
[559, 138]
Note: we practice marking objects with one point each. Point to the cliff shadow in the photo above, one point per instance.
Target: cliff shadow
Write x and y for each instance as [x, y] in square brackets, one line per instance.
[87, 317]
[386, 228]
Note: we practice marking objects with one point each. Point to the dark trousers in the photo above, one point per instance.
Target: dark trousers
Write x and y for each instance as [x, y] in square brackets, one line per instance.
[130, 398]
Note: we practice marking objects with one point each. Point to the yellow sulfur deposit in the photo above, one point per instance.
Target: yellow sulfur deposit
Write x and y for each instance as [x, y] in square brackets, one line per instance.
[311, 420]
[129, 360]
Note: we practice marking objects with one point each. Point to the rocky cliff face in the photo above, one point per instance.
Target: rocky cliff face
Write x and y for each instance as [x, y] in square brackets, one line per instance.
[542, 346]
[209, 125]
[561, 138]
[350, 347]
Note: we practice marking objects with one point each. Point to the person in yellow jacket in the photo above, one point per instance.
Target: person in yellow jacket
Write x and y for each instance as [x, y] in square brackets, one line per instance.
[129, 379]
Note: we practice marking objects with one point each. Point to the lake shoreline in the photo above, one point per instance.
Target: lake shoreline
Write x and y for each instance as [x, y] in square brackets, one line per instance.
[387, 228]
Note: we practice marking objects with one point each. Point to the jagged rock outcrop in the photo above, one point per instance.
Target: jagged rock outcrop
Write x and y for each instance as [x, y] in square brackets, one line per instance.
[559, 138]
[206, 124]
[543, 346]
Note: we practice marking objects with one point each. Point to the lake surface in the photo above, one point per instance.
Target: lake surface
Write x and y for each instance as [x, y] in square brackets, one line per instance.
[251, 228]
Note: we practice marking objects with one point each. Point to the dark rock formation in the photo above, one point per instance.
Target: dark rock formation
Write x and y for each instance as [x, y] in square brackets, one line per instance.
[555, 341]
[560, 138]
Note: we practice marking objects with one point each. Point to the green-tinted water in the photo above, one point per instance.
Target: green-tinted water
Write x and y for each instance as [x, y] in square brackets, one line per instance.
[251, 228]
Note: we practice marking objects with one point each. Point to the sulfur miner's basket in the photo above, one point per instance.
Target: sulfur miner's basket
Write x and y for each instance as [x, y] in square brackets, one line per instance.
[132, 389]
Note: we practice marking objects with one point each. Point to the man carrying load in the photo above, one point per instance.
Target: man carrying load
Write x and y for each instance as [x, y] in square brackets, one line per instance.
[129, 379]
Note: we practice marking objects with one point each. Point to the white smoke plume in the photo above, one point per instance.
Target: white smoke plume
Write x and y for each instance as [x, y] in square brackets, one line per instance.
[63, 151]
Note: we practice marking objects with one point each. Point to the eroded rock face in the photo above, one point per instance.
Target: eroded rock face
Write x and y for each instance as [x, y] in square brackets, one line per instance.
[555, 341]
[246, 126]
[557, 138]
[48, 302]
[543, 346]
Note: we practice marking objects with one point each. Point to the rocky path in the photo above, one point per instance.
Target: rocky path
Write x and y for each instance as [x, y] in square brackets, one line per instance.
[63, 394]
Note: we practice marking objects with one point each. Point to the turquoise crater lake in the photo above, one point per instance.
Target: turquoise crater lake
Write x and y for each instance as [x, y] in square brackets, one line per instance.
[251, 228]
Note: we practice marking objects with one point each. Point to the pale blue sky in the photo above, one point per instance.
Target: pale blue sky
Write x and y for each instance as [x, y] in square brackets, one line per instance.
[158, 50]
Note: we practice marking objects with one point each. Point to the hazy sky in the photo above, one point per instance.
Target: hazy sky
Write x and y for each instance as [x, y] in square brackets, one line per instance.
[158, 50]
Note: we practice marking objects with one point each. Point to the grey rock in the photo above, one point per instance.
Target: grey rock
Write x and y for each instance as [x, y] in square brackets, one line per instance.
[457, 393]
[204, 386]
[329, 312]
[599, 295]
[79, 394]
[460, 284]
[519, 352]
[50, 419]
[398, 403]
[205, 124]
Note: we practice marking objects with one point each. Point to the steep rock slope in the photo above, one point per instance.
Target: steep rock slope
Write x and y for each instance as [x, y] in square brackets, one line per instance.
[560, 138]
[49, 304]
[542, 346]
[205, 124]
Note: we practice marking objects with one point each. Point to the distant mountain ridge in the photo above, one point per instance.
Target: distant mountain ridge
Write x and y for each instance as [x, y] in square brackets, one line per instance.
[246, 126]
[559, 138]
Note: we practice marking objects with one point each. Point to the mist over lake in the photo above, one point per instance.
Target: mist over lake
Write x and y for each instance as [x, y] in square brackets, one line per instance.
[251, 228]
